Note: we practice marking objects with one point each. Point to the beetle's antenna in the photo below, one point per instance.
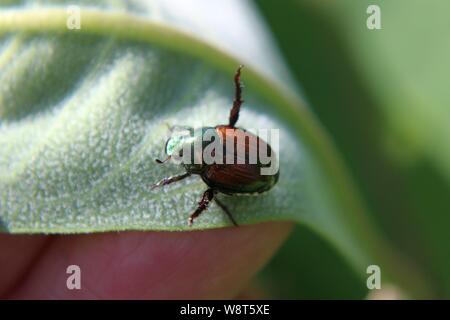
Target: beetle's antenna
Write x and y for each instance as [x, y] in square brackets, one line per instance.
[178, 128]
[234, 113]
[162, 161]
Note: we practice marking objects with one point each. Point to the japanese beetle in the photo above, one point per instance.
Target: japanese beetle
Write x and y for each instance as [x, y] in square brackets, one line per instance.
[239, 177]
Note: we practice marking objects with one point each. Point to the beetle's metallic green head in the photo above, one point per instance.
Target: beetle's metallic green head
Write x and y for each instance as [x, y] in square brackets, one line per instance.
[179, 139]
[181, 148]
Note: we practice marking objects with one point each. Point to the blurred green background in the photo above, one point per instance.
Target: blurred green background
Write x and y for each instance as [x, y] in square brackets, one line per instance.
[384, 97]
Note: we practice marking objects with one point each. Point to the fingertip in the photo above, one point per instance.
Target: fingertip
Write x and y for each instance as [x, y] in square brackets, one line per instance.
[208, 264]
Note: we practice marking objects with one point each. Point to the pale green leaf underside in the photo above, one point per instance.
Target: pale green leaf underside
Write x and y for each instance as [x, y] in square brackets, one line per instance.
[78, 151]
[84, 117]
[84, 114]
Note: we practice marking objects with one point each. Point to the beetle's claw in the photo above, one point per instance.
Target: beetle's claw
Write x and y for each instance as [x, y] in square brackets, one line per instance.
[154, 186]
[158, 184]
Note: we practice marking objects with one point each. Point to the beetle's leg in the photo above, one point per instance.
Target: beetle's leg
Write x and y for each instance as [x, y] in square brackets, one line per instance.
[208, 195]
[170, 180]
[234, 113]
[224, 208]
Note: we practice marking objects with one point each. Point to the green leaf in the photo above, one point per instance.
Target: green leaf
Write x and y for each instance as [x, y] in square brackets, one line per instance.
[85, 113]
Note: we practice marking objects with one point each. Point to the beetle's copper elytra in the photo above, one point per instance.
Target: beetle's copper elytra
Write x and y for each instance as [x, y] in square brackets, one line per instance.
[231, 179]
